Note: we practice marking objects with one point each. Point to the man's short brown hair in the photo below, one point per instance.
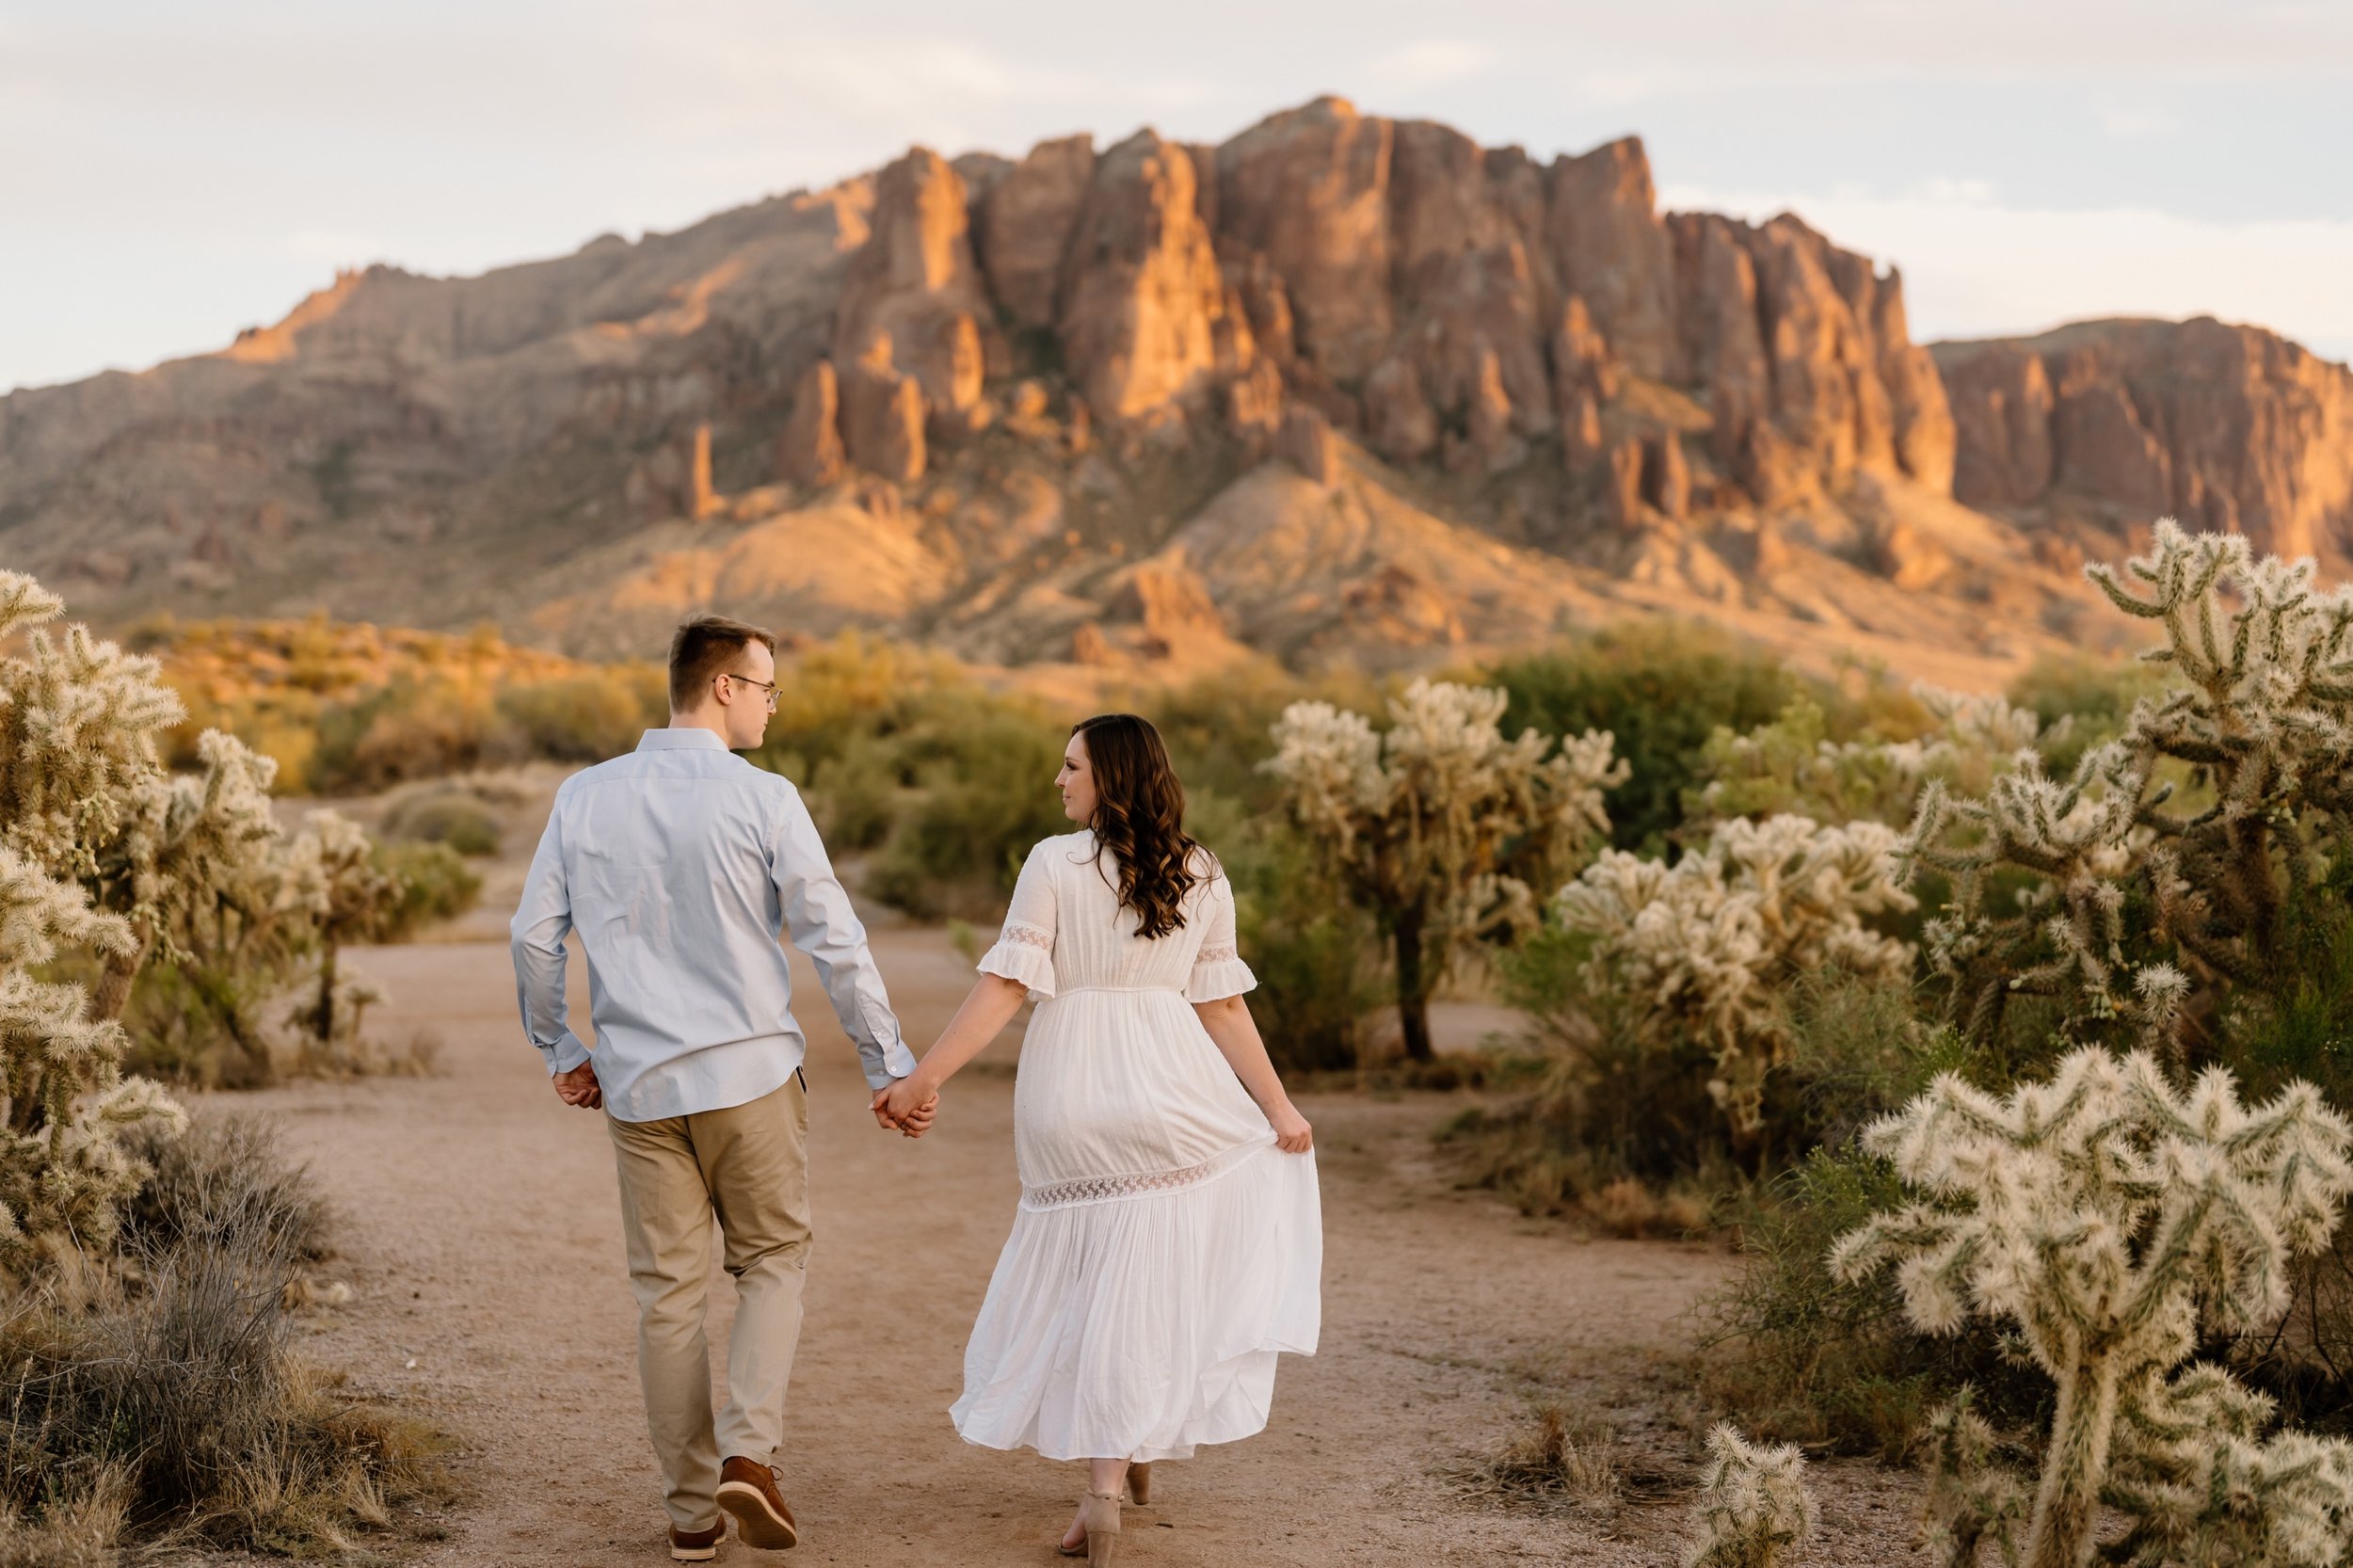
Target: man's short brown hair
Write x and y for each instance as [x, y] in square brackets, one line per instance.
[705, 646]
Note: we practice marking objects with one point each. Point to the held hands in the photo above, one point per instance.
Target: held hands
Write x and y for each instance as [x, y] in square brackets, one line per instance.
[579, 1087]
[1293, 1134]
[904, 1107]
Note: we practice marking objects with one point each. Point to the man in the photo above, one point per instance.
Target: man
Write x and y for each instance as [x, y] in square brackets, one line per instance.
[678, 864]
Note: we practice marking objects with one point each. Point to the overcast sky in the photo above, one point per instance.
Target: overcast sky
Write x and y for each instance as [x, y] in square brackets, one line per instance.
[171, 172]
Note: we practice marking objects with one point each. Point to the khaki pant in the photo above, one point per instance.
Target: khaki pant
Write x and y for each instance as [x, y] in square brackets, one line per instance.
[749, 1167]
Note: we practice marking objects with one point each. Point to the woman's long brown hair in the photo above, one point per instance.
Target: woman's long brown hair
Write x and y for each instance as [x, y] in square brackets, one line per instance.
[1140, 817]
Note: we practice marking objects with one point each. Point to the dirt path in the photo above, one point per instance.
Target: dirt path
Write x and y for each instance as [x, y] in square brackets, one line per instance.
[481, 1231]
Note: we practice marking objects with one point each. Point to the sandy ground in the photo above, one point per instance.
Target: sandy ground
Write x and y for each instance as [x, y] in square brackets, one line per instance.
[479, 1226]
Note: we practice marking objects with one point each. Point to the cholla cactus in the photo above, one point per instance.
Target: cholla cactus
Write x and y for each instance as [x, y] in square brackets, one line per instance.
[1753, 1507]
[2263, 718]
[332, 879]
[2108, 1216]
[1706, 947]
[1440, 825]
[79, 720]
[2204, 1486]
[1792, 766]
[62, 1172]
[1972, 1497]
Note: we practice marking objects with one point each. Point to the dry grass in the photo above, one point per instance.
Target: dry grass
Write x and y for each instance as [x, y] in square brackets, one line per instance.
[1558, 1463]
[417, 1055]
[156, 1401]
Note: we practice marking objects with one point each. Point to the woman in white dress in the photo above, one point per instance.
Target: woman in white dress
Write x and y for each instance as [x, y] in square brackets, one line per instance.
[1169, 1241]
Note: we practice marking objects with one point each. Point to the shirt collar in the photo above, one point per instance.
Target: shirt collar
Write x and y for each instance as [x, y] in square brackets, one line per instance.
[690, 738]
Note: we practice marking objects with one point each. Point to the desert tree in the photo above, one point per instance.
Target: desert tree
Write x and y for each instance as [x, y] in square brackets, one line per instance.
[1707, 947]
[1439, 825]
[1754, 1510]
[2107, 1217]
[2257, 725]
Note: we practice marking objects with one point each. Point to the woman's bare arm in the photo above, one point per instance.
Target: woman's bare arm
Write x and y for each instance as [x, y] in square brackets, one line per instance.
[1236, 1033]
[988, 1008]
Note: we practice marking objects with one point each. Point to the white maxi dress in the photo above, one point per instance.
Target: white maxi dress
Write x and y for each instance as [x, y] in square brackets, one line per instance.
[1165, 1250]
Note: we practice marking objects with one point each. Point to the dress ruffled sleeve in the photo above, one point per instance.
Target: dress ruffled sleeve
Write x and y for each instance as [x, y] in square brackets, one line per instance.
[1218, 971]
[1025, 947]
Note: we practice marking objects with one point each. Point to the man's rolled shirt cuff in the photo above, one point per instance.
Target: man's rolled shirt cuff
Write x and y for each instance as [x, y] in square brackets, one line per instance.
[566, 1054]
[897, 1063]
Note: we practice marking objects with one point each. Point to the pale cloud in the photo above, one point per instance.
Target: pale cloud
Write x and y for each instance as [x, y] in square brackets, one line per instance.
[1975, 267]
[1427, 63]
[2118, 121]
[334, 249]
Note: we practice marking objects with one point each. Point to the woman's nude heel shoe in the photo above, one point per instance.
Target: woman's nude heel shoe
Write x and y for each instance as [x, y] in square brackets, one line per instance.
[1099, 1516]
[1140, 1485]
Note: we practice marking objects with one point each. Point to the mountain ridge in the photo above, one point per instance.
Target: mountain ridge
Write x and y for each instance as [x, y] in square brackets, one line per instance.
[1342, 387]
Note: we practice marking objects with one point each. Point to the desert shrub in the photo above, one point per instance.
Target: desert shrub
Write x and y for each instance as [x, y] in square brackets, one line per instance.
[413, 728]
[444, 814]
[980, 782]
[1659, 692]
[585, 718]
[1313, 952]
[227, 1180]
[1803, 1357]
[1439, 827]
[2104, 1215]
[2093, 697]
[1795, 766]
[430, 883]
[1217, 727]
[172, 1402]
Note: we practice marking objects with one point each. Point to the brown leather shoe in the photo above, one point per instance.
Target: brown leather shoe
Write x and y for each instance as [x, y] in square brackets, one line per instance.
[697, 1546]
[747, 1489]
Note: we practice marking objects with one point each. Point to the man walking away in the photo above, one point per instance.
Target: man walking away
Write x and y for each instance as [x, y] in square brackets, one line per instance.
[679, 865]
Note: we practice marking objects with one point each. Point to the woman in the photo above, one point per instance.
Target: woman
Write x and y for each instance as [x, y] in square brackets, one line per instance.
[1168, 1241]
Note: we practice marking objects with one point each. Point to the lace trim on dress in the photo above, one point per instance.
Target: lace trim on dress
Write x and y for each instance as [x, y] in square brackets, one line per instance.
[1138, 1184]
[1214, 955]
[1028, 935]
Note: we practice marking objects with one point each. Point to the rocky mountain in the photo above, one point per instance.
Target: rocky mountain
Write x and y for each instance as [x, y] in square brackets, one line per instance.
[1343, 387]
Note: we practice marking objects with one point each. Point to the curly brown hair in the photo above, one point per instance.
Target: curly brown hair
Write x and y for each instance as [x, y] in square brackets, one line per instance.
[1140, 817]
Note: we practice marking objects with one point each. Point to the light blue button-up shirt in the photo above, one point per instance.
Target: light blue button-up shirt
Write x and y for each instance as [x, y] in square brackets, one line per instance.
[679, 865]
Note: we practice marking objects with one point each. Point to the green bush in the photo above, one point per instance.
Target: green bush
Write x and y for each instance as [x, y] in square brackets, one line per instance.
[412, 728]
[1317, 957]
[436, 884]
[1662, 689]
[1803, 1357]
[444, 814]
[2093, 696]
[980, 780]
[585, 718]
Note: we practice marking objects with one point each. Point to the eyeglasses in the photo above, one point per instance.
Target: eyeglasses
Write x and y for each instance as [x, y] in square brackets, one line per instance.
[731, 675]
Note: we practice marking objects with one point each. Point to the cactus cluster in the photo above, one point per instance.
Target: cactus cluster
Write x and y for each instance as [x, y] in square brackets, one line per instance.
[110, 859]
[1705, 947]
[2179, 845]
[1792, 766]
[1440, 825]
[78, 720]
[2107, 1218]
